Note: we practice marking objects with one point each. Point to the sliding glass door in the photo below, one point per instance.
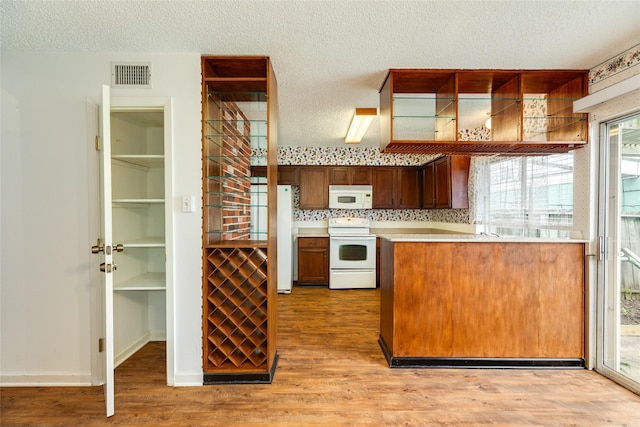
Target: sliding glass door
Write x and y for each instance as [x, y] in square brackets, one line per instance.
[619, 272]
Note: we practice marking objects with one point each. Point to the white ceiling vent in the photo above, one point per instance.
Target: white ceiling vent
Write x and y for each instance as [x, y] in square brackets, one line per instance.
[131, 75]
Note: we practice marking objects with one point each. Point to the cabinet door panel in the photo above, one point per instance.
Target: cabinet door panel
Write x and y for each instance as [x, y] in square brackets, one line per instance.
[349, 175]
[314, 191]
[459, 176]
[443, 183]
[409, 188]
[429, 187]
[384, 185]
[313, 266]
[360, 175]
[338, 175]
[313, 260]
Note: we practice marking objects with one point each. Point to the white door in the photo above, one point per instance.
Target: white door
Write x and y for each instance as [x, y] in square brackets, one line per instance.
[104, 247]
[105, 326]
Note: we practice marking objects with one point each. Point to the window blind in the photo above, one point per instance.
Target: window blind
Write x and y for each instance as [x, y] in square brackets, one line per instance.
[526, 196]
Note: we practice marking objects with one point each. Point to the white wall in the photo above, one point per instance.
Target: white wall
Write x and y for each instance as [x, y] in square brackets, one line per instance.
[45, 189]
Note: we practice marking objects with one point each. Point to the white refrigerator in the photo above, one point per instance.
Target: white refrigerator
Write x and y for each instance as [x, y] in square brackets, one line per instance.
[285, 239]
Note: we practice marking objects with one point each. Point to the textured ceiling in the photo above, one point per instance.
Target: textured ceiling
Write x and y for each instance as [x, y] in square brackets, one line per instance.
[331, 56]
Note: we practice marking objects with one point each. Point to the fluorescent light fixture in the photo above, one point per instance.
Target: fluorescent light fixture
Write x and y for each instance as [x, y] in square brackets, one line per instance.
[359, 124]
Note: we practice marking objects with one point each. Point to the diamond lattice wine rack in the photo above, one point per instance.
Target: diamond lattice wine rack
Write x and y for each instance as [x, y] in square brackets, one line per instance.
[237, 317]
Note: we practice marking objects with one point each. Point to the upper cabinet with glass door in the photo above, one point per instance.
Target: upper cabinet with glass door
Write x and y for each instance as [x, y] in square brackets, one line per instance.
[482, 111]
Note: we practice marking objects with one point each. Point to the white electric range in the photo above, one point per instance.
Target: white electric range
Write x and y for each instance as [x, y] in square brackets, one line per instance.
[352, 254]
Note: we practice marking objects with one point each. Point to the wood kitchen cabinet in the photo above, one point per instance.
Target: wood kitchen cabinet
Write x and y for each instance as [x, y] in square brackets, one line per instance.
[446, 182]
[384, 187]
[440, 184]
[429, 186]
[452, 182]
[397, 187]
[445, 111]
[313, 260]
[442, 169]
[288, 175]
[349, 175]
[314, 187]
[409, 191]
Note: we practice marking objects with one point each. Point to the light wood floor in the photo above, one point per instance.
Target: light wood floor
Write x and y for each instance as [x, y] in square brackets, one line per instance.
[332, 372]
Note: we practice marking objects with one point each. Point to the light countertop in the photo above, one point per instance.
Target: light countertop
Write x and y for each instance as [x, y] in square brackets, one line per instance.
[437, 235]
[414, 231]
[475, 238]
[313, 232]
[323, 232]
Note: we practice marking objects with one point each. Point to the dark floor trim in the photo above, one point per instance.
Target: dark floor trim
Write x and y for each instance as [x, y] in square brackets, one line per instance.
[385, 349]
[477, 362]
[209, 378]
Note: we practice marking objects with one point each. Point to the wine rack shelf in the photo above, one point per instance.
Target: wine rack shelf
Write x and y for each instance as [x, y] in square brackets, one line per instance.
[236, 308]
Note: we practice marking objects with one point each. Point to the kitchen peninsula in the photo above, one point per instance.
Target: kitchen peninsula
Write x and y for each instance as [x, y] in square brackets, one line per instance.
[459, 300]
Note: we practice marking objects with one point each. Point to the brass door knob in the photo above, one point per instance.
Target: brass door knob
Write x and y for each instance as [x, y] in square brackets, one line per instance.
[108, 268]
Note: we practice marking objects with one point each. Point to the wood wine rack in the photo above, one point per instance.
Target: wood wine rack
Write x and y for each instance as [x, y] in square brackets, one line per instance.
[239, 294]
[235, 304]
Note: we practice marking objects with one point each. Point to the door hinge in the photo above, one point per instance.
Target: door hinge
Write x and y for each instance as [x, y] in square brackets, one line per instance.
[98, 146]
[100, 345]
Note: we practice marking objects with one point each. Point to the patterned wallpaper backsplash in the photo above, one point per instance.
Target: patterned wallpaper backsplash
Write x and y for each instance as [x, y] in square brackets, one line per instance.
[460, 216]
[347, 156]
[356, 156]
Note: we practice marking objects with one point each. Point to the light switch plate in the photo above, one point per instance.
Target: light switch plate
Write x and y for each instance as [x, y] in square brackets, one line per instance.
[188, 204]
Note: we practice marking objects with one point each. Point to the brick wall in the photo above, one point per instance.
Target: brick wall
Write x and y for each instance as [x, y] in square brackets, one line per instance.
[236, 149]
